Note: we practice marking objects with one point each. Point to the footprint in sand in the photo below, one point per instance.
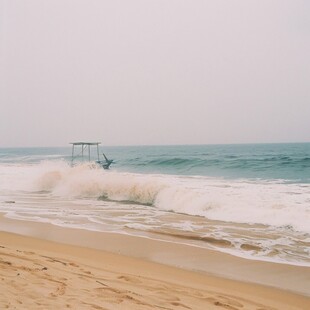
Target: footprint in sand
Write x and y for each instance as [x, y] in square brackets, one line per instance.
[229, 301]
[178, 304]
[129, 279]
[73, 264]
[61, 289]
[216, 302]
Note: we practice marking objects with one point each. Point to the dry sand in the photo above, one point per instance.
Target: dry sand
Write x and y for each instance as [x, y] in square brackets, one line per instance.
[41, 274]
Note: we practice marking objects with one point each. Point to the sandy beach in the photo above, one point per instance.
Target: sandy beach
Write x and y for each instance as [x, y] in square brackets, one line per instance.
[44, 274]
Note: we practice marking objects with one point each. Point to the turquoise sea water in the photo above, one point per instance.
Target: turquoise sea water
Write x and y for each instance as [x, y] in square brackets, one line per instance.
[249, 200]
[266, 161]
[290, 162]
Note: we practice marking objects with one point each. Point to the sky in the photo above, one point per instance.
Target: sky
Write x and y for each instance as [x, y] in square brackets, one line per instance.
[147, 72]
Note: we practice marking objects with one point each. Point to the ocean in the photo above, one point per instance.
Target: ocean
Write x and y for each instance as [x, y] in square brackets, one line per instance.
[250, 200]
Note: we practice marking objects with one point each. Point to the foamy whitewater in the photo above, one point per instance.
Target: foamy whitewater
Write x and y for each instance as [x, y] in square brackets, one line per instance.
[251, 201]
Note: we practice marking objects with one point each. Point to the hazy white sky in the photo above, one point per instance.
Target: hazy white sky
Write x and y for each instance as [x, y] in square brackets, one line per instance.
[154, 71]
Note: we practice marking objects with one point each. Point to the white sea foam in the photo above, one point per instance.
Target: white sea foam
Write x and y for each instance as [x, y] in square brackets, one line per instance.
[241, 201]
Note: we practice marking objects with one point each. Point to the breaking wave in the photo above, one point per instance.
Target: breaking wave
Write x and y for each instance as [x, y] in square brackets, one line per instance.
[273, 203]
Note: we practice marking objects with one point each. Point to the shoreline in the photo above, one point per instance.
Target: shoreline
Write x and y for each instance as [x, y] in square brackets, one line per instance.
[41, 274]
[283, 276]
[295, 279]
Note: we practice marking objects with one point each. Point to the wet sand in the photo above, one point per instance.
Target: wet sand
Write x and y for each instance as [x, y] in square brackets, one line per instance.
[109, 271]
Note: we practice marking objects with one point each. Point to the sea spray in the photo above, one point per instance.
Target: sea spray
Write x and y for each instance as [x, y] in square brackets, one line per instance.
[87, 181]
[241, 201]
